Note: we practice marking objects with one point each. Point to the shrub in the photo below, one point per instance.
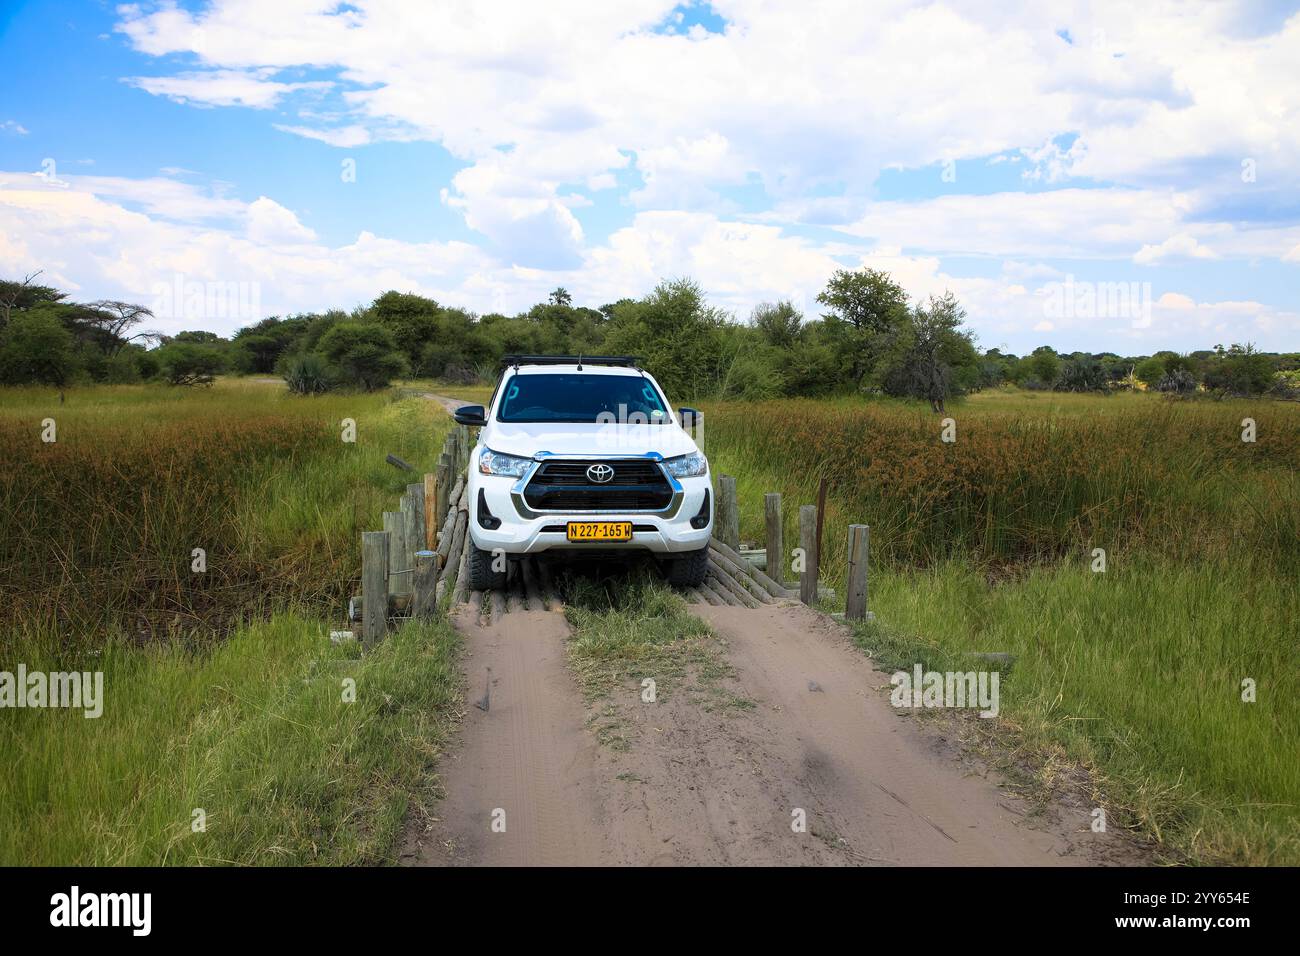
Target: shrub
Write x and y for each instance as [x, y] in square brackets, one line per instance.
[190, 364]
[1082, 374]
[365, 354]
[36, 349]
[307, 374]
[1177, 381]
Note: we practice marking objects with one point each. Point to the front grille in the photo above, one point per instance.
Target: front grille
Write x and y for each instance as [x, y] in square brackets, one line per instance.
[637, 485]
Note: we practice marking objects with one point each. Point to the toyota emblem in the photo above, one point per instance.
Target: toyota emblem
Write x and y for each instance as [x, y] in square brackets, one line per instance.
[600, 474]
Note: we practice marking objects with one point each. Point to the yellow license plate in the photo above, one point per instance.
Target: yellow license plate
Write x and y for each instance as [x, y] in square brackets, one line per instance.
[600, 531]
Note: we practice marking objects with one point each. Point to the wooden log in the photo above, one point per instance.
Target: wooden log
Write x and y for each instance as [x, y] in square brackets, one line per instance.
[739, 575]
[454, 557]
[728, 514]
[466, 443]
[710, 595]
[399, 578]
[733, 587]
[431, 514]
[775, 541]
[855, 593]
[462, 579]
[374, 586]
[744, 567]
[443, 477]
[808, 542]
[532, 596]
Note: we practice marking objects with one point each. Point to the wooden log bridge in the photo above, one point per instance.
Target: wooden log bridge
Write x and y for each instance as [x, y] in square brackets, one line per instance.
[415, 567]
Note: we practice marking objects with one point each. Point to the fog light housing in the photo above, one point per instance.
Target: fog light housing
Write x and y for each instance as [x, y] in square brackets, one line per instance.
[701, 518]
[485, 517]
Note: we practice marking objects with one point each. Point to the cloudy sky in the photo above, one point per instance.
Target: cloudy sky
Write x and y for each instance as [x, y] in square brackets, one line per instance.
[314, 154]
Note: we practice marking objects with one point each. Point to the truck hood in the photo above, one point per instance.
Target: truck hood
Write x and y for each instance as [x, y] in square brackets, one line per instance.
[527, 439]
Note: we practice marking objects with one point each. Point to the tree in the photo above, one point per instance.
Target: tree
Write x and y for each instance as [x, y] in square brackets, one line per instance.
[1040, 369]
[561, 297]
[928, 352]
[114, 319]
[412, 320]
[1150, 371]
[35, 348]
[1239, 370]
[866, 307]
[1082, 373]
[365, 355]
[189, 363]
[20, 296]
[676, 334]
[779, 324]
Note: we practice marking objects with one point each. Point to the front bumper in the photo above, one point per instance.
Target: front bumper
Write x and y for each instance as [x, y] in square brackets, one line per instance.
[526, 531]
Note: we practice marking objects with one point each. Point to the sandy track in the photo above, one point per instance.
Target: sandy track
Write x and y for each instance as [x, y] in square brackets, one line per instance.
[529, 755]
[700, 784]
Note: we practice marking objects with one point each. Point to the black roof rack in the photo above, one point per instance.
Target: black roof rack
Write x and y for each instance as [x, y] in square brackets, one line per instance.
[626, 361]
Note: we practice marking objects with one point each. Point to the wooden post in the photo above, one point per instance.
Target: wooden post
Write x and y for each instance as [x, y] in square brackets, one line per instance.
[808, 541]
[414, 522]
[464, 448]
[855, 592]
[431, 516]
[821, 516]
[423, 603]
[374, 586]
[775, 541]
[728, 531]
[443, 473]
[395, 527]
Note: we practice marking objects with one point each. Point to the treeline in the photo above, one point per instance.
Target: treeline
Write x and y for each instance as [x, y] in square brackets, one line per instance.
[869, 337]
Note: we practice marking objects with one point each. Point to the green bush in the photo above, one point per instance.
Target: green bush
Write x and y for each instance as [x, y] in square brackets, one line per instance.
[365, 354]
[36, 349]
[307, 374]
[186, 363]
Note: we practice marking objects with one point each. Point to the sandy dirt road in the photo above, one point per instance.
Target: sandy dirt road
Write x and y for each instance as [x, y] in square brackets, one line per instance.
[699, 785]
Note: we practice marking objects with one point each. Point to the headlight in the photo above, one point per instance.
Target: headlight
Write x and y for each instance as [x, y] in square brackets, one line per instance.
[687, 466]
[494, 463]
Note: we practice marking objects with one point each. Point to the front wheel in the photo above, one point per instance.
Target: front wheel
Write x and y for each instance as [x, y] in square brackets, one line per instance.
[481, 575]
[688, 570]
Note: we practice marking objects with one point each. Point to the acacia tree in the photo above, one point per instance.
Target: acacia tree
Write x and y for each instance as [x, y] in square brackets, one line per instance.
[113, 319]
[866, 308]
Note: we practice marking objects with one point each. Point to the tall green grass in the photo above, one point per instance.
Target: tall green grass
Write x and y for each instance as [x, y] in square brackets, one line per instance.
[254, 732]
[97, 529]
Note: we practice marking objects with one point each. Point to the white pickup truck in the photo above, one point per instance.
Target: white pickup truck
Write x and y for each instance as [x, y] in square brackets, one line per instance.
[583, 454]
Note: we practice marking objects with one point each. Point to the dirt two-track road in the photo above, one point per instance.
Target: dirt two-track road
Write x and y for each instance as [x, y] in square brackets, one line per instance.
[529, 783]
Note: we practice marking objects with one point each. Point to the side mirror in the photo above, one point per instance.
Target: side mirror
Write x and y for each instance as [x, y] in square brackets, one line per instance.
[470, 415]
[690, 417]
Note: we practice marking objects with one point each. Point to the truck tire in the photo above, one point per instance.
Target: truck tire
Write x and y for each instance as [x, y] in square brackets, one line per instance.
[481, 575]
[688, 570]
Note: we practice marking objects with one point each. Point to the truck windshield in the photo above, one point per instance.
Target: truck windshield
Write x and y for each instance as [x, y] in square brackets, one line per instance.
[576, 397]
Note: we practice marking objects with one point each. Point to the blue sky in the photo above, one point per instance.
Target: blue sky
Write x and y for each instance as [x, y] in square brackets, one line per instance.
[319, 153]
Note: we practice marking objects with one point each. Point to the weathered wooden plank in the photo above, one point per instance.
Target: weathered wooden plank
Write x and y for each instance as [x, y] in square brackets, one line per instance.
[374, 586]
[395, 526]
